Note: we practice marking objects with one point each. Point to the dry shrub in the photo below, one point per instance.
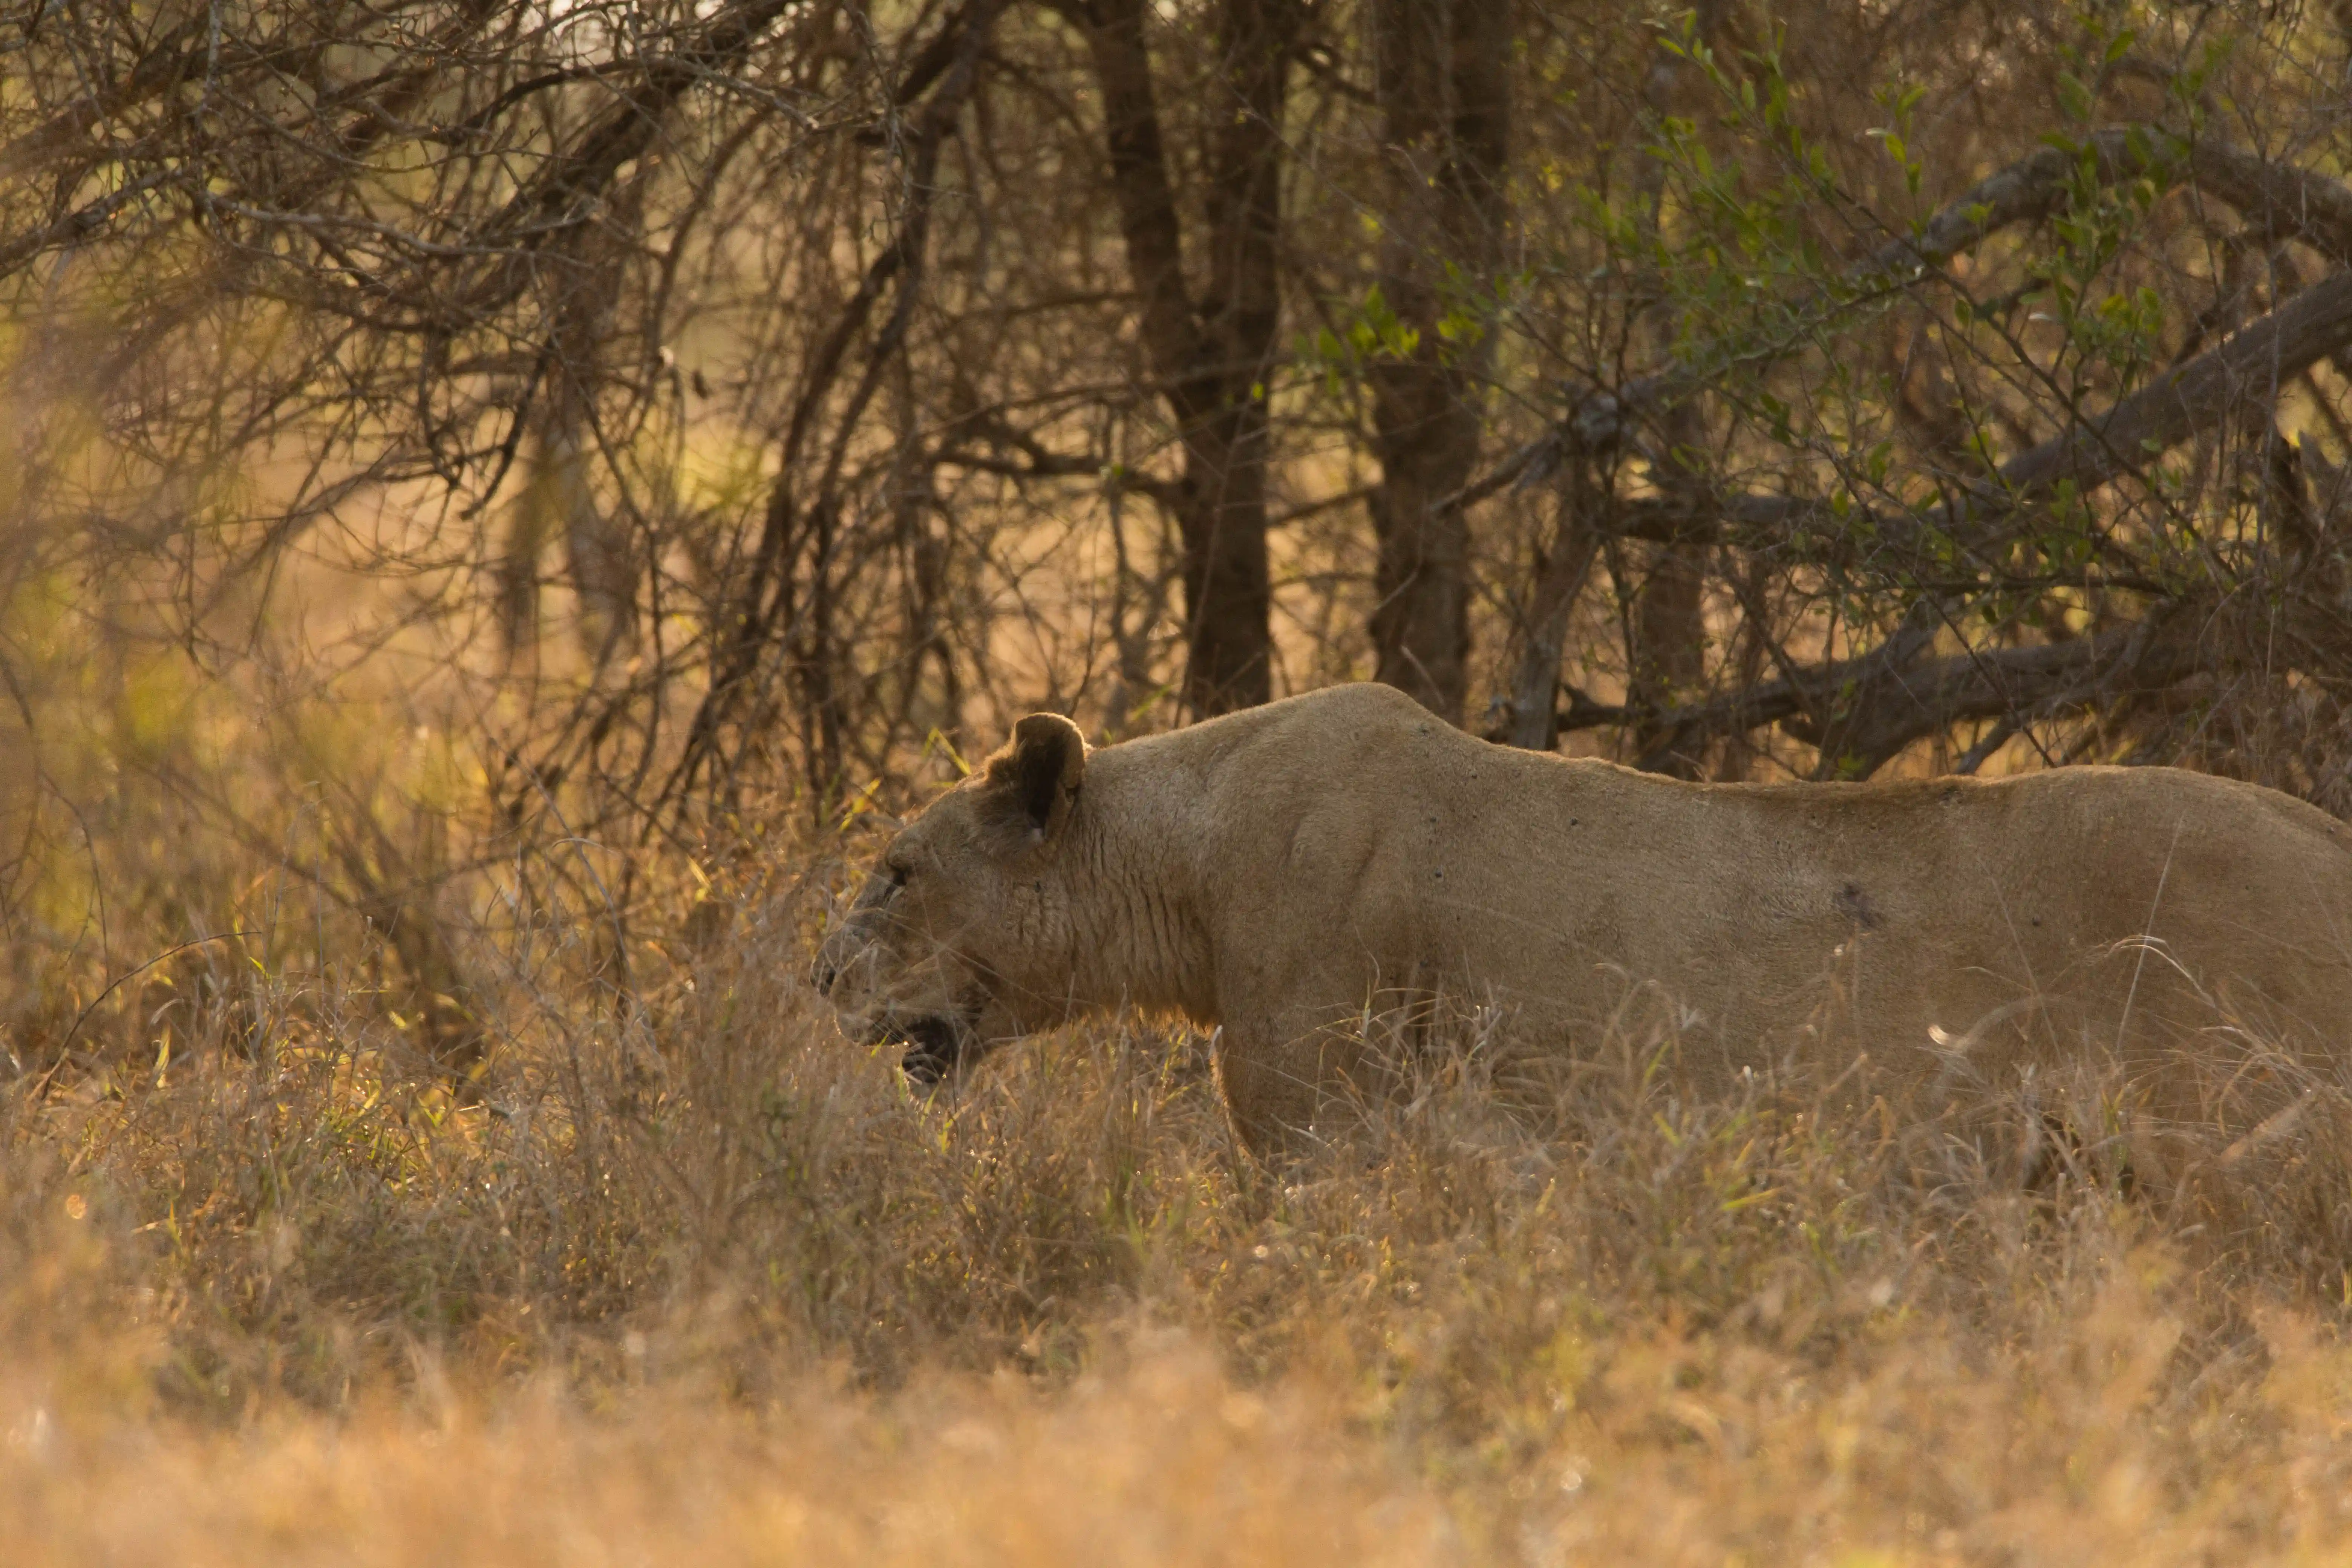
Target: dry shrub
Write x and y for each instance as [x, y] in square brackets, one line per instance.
[691, 1275]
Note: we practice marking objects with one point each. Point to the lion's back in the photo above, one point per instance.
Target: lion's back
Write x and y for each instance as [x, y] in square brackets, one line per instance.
[1366, 836]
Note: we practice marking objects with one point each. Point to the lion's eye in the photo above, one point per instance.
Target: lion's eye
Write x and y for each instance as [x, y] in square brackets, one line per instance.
[898, 875]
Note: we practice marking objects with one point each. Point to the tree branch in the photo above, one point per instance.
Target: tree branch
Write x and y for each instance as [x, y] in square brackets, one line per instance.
[1886, 699]
[2290, 203]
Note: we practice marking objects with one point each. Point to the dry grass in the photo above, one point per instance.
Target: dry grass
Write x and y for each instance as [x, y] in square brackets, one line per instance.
[694, 1280]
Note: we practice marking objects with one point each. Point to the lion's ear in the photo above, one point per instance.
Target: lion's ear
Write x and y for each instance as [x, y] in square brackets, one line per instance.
[1041, 771]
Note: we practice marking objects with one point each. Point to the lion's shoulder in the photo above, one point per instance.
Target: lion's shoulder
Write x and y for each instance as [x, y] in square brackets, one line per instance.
[1335, 726]
[1340, 708]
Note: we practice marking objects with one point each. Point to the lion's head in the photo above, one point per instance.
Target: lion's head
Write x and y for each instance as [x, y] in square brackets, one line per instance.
[961, 937]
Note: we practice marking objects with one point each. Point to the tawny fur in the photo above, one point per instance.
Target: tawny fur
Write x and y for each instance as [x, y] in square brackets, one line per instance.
[1274, 873]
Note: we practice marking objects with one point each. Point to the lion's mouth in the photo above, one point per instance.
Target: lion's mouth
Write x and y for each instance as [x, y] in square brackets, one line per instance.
[937, 1044]
[935, 1047]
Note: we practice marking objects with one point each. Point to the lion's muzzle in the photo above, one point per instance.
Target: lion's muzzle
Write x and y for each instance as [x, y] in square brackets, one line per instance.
[895, 984]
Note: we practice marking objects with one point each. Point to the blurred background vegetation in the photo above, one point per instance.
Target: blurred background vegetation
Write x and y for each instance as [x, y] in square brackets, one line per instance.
[463, 456]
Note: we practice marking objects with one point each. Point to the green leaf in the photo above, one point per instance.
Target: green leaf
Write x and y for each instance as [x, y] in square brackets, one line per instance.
[2075, 99]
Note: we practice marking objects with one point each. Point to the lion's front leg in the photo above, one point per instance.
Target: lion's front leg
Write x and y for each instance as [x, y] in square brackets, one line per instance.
[1271, 1085]
[1280, 1082]
[1292, 1035]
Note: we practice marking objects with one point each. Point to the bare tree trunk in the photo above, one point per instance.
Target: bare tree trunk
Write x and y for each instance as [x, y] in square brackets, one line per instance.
[1667, 631]
[598, 549]
[1211, 358]
[1668, 652]
[582, 276]
[1561, 575]
[816, 658]
[1751, 583]
[1228, 588]
[1441, 77]
[915, 504]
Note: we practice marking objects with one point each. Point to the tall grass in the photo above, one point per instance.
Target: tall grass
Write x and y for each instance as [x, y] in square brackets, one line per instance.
[684, 1275]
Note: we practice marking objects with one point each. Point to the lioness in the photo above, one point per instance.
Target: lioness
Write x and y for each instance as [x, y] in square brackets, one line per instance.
[1274, 873]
